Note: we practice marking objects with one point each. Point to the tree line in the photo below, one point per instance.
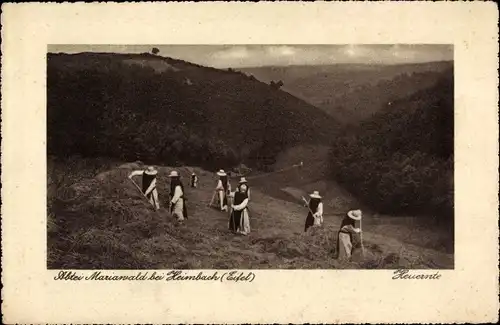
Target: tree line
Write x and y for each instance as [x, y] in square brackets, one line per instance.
[401, 160]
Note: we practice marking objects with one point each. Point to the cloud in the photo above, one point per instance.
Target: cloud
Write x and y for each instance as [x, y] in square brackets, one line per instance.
[358, 51]
[253, 55]
[351, 51]
[281, 50]
[236, 52]
[402, 52]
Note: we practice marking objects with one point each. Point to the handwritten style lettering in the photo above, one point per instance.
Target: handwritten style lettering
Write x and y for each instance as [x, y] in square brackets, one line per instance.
[66, 275]
[403, 274]
[239, 276]
[174, 275]
[97, 276]
[178, 275]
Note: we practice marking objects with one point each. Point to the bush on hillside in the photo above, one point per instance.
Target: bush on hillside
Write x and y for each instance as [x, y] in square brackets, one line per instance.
[276, 85]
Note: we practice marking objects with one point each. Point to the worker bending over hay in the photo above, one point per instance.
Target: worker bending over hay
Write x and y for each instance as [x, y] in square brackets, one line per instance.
[148, 184]
[349, 239]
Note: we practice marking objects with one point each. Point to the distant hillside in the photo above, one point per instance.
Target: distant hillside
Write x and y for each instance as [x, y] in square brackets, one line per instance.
[401, 160]
[352, 92]
[162, 110]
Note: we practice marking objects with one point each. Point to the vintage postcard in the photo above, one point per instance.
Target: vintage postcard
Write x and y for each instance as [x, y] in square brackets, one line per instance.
[250, 163]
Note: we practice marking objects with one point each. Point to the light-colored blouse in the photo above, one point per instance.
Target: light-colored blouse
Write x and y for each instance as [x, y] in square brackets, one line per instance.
[177, 194]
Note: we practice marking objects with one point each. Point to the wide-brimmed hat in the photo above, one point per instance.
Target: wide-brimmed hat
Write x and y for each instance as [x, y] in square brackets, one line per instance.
[151, 170]
[173, 173]
[221, 172]
[355, 214]
[315, 195]
[243, 180]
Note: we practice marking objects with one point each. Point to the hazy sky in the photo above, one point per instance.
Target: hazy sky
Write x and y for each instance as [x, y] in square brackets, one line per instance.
[224, 56]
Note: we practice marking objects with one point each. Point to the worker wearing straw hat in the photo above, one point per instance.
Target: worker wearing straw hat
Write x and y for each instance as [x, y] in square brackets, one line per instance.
[177, 199]
[349, 236]
[243, 180]
[148, 184]
[239, 220]
[315, 214]
[222, 189]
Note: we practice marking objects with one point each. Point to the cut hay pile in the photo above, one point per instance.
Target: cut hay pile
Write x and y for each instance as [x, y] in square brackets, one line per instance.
[104, 222]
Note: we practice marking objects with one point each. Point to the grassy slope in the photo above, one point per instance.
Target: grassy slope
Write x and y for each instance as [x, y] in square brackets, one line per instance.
[104, 222]
[127, 105]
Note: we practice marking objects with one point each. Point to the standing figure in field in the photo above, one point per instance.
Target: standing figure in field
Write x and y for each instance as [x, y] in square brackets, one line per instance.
[239, 220]
[194, 180]
[177, 199]
[243, 180]
[148, 184]
[349, 236]
[222, 189]
[315, 214]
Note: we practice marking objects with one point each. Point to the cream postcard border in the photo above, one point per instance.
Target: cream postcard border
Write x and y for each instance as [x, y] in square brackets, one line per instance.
[469, 293]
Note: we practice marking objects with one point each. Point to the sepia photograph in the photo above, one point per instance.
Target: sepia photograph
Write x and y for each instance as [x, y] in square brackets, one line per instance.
[295, 162]
[250, 156]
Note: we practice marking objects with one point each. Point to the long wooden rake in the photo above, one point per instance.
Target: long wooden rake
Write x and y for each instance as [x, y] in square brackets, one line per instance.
[142, 194]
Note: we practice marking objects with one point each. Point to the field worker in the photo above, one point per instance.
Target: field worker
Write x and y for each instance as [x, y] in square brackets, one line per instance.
[222, 189]
[315, 215]
[194, 180]
[239, 221]
[243, 180]
[349, 236]
[177, 199]
[148, 184]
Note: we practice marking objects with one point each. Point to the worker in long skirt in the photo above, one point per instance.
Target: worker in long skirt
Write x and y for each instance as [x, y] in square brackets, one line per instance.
[194, 180]
[239, 221]
[177, 199]
[315, 214]
[349, 235]
[148, 184]
[222, 189]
